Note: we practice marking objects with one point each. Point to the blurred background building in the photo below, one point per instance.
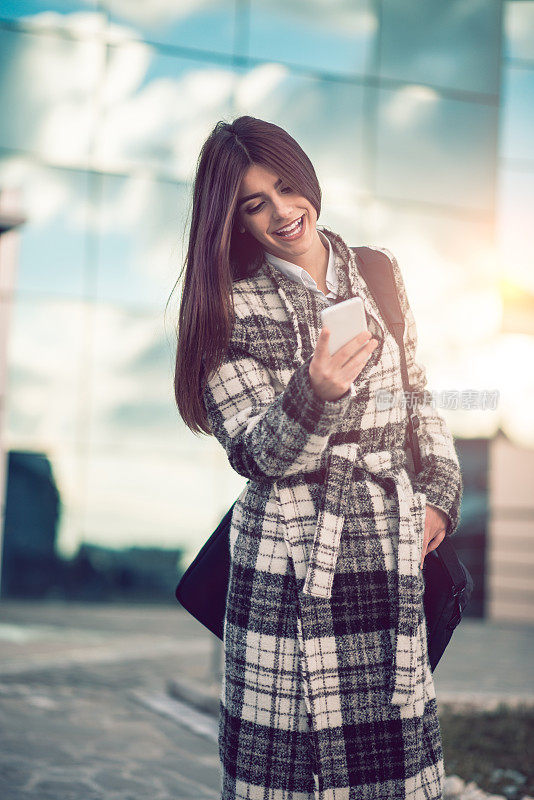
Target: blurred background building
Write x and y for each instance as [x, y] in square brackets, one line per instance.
[418, 118]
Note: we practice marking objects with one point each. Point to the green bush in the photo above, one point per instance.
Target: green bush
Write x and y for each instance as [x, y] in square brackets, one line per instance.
[493, 748]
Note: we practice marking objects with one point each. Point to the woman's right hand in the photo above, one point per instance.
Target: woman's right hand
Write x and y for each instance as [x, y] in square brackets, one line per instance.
[331, 376]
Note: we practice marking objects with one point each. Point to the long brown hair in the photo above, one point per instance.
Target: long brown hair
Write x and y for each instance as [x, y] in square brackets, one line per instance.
[217, 254]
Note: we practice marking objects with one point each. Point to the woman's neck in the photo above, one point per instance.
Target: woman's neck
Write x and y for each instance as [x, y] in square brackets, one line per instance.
[317, 265]
[315, 260]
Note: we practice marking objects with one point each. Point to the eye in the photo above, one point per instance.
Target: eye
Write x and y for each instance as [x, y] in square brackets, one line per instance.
[257, 208]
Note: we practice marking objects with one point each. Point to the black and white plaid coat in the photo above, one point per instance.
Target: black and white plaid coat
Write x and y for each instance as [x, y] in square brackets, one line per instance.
[327, 691]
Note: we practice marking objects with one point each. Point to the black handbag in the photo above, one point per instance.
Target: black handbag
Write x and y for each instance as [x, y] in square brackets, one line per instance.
[203, 588]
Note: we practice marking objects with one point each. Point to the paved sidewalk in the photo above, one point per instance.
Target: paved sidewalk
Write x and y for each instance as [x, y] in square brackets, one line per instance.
[484, 660]
[87, 708]
[485, 663]
[84, 711]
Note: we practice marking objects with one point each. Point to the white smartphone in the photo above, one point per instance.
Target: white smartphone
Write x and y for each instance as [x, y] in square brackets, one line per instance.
[344, 320]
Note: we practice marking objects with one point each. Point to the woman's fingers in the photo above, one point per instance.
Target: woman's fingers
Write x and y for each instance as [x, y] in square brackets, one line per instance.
[331, 375]
[436, 541]
[361, 356]
[345, 352]
[322, 343]
[352, 347]
[432, 544]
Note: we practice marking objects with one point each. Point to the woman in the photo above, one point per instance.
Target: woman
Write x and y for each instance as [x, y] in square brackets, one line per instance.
[327, 691]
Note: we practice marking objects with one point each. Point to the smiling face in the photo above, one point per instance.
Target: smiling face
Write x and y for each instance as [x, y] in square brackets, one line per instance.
[273, 207]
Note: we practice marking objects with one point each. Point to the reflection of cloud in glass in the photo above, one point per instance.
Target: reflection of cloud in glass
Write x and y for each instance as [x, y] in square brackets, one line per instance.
[503, 364]
[436, 268]
[441, 151]
[52, 256]
[443, 44]
[518, 114]
[344, 16]
[258, 84]
[139, 223]
[133, 402]
[162, 500]
[45, 191]
[80, 23]
[125, 398]
[48, 84]
[45, 354]
[300, 32]
[158, 110]
[409, 105]
[519, 29]
[206, 24]
[158, 12]
[452, 273]
[516, 211]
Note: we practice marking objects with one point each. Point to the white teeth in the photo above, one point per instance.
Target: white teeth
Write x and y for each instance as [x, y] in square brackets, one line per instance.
[290, 228]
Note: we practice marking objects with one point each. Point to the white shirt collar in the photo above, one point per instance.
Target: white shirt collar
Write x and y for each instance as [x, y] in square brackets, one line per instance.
[296, 273]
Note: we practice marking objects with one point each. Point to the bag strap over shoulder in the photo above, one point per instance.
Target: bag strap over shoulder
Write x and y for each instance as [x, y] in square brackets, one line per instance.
[377, 270]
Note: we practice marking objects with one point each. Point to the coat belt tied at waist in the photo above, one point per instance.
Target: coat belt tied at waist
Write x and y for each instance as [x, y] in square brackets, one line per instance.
[410, 630]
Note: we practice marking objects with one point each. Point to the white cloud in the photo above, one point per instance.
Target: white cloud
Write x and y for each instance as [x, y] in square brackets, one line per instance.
[519, 28]
[50, 81]
[81, 23]
[46, 347]
[514, 226]
[259, 83]
[164, 122]
[125, 71]
[408, 105]
[341, 16]
[503, 364]
[44, 192]
[157, 12]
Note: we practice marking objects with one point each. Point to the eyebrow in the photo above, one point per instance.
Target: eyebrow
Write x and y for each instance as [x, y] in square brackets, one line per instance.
[256, 194]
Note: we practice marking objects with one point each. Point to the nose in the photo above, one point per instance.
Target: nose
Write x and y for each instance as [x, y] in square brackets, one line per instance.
[282, 210]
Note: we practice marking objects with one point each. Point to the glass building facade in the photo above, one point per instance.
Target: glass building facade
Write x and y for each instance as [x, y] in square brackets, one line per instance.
[418, 118]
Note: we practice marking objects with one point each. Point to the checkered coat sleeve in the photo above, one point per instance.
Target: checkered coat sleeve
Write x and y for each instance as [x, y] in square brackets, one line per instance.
[440, 478]
[267, 436]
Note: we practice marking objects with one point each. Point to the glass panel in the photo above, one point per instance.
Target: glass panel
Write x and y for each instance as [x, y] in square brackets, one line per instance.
[68, 465]
[346, 220]
[157, 500]
[47, 84]
[453, 44]
[139, 224]
[516, 204]
[326, 118]
[516, 351]
[435, 270]
[335, 38]
[132, 395]
[79, 19]
[46, 369]
[515, 379]
[52, 241]
[519, 29]
[444, 283]
[158, 110]
[436, 150]
[518, 114]
[208, 25]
